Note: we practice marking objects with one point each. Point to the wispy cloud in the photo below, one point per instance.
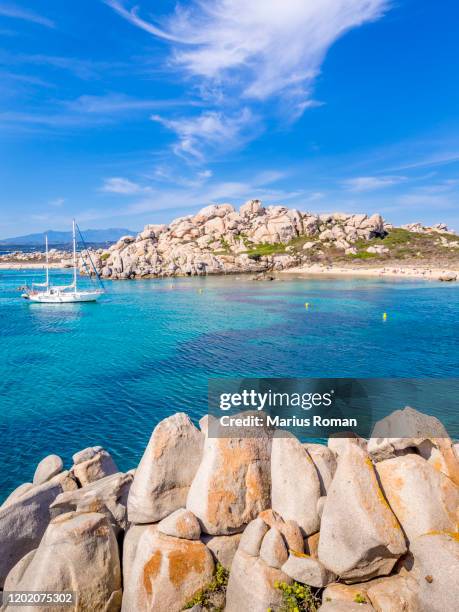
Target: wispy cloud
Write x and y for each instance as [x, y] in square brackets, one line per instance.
[122, 186]
[255, 51]
[372, 183]
[16, 12]
[57, 202]
[441, 158]
[273, 48]
[209, 130]
[86, 111]
[119, 103]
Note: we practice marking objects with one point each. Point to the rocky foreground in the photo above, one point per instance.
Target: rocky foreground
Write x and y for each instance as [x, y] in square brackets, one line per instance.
[354, 525]
[221, 240]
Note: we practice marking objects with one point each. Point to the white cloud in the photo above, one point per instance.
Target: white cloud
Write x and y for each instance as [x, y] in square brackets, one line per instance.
[117, 103]
[372, 183]
[16, 12]
[122, 186]
[209, 130]
[264, 48]
[250, 50]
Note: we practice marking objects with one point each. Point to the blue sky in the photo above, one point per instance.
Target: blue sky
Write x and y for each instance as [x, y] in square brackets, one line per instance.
[125, 113]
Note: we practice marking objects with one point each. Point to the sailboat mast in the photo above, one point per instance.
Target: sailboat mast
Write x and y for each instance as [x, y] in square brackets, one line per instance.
[47, 261]
[74, 258]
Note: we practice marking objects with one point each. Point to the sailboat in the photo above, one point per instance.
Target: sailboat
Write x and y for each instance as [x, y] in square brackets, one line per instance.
[46, 293]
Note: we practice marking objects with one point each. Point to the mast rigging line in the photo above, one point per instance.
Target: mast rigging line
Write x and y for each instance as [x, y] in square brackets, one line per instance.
[90, 258]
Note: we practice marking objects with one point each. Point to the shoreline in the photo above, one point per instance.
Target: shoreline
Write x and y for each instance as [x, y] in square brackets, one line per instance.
[422, 272]
[15, 265]
[319, 270]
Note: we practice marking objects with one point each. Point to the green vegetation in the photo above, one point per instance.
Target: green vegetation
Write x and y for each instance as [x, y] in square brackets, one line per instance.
[297, 597]
[359, 598]
[214, 594]
[264, 248]
[364, 255]
[104, 256]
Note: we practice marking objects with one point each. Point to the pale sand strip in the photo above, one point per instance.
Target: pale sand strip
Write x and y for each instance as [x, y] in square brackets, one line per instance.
[393, 271]
[29, 265]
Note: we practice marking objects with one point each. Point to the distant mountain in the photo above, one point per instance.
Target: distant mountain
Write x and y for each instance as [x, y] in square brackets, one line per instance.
[92, 236]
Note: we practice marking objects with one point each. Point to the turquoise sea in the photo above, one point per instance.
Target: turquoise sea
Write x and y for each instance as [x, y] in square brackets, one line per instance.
[72, 376]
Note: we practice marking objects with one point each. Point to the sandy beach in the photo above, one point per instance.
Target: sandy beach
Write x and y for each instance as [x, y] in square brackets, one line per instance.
[390, 271]
[29, 265]
[393, 271]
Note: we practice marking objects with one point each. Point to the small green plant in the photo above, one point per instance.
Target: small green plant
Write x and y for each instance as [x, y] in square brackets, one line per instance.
[359, 598]
[205, 596]
[364, 255]
[297, 597]
[105, 256]
[264, 248]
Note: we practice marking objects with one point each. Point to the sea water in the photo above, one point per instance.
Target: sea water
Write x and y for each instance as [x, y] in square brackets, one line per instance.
[80, 375]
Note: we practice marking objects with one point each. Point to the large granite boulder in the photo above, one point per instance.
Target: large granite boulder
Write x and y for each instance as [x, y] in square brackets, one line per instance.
[393, 594]
[232, 484]
[18, 492]
[324, 460]
[23, 520]
[223, 548]
[253, 536]
[436, 566]
[163, 572]
[166, 470]
[252, 585]
[295, 483]
[308, 570]
[289, 529]
[360, 537]
[107, 495]
[47, 468]
[181, 524]
[78, 553]
[91, 464]
[422, 498]
[409, 429]
[273, 549]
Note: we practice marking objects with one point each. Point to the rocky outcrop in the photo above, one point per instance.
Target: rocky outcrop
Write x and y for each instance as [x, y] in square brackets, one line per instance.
[166, 470]
[252, 580]
[78, 553]
[295, 483]
[107, 496]
[219, 239]
[24, 519]
[436, 565]
[232, 484]
[360, 537]
[422, 498]
[92, 464]
[165, 572]
[47, 468]
[365, 531]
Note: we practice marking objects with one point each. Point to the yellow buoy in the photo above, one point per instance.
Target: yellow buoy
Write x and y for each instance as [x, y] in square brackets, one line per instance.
[306, 305]
[384, 317]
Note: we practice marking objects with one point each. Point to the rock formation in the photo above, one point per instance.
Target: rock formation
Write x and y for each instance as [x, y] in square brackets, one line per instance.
[385, 537]
[219, 239]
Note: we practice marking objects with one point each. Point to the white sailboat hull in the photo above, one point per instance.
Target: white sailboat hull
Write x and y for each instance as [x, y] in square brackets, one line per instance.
[64, 294]
[59, 297]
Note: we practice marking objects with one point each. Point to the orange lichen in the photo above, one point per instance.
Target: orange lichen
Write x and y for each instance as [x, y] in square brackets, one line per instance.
[295, 553]
[151, 570]
[450, 534]
[184, 559]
